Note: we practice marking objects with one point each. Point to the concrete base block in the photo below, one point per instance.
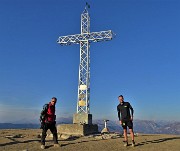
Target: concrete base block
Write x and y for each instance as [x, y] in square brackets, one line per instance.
[82, 118]
[77, 129]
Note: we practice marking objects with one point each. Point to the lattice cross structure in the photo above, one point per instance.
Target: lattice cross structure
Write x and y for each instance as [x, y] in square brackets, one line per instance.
[84, 39]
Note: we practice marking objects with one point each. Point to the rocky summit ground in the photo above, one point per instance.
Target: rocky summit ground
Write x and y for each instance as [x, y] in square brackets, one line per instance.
[29, 140]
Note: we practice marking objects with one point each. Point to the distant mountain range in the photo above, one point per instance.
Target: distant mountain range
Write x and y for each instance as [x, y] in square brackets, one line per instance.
[140, 126]
[145, 126]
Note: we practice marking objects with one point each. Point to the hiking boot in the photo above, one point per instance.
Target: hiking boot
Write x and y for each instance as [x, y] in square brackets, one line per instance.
[125, 143]
[42, 146]
[133, 143]
[57, 145]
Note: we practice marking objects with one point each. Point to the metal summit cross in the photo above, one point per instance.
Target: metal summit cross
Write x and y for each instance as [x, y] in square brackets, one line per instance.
[84, 39]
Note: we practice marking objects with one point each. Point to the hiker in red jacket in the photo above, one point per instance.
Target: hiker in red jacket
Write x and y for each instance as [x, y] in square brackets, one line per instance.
[48, 121]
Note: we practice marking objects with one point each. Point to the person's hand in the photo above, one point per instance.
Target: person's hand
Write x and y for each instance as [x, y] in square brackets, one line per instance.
[131, 118]
[120, 122]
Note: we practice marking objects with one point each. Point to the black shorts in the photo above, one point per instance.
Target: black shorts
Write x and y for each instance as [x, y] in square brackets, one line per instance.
[128, 123]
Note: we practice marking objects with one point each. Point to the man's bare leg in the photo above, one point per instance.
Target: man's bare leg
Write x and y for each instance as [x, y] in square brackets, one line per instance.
[132, 136]
[125, 138]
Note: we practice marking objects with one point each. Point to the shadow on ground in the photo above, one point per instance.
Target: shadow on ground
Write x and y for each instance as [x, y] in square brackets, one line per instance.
[14, 141]
[17, 142]
[157, 141]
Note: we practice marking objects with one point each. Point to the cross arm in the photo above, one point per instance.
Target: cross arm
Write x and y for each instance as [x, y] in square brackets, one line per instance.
[91, 37]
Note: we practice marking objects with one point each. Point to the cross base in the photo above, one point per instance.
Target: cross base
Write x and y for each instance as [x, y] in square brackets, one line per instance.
[77, 129]
[82, 118]
[105, 130]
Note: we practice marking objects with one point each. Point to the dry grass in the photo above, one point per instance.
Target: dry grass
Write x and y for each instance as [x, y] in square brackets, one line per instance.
[30, 142]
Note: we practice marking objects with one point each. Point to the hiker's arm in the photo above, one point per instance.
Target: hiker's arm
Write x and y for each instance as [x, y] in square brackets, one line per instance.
[119, 115]
[131, 110]
[43, 115]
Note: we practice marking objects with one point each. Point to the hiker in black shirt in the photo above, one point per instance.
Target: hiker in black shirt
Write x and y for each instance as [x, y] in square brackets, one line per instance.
[126, 118]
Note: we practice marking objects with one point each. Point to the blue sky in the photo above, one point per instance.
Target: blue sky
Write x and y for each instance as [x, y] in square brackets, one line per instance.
[141, 62]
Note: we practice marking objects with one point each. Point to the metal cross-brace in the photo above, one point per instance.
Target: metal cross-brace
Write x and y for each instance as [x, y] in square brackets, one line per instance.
[84, 39]
[90, 37]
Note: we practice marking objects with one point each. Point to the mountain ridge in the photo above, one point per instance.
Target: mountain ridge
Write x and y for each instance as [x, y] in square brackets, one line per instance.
[140, 126]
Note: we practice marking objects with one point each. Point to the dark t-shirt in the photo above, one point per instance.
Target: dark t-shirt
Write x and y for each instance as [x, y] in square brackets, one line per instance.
[124, 111]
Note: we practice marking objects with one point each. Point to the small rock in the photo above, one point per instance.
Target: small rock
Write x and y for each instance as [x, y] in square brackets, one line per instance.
[99, 137]
[14, 136]
[9, 136]
[136, 134]
[39, 136]
[114, 137]
[50, 135]
[90, 136]
[59, 135]
[65, 136]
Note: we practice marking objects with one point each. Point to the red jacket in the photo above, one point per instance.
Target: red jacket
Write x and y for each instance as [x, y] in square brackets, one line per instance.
[50, 116]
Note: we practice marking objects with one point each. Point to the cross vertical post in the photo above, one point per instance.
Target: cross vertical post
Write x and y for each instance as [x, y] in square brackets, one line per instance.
[84, 67]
